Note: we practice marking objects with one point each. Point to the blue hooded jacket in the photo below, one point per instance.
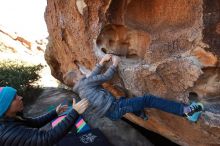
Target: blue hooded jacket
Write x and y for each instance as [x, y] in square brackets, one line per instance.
[91, 89]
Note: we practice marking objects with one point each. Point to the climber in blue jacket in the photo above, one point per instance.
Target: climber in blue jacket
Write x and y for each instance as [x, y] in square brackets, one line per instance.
[17, 130]
[103, 103]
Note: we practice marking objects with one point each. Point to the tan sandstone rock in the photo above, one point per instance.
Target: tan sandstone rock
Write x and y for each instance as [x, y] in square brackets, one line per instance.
[159, 42]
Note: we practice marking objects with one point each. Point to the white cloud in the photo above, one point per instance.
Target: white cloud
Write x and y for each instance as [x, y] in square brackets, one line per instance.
[26, 17]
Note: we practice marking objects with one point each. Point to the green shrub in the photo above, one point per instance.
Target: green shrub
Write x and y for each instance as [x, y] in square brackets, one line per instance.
[19, 76]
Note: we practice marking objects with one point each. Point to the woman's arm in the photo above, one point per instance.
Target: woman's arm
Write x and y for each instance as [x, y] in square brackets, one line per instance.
[41, 121]
[19, 135]
[25, 136]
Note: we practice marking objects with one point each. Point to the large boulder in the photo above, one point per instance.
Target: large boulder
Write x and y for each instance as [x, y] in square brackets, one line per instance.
[168, 48]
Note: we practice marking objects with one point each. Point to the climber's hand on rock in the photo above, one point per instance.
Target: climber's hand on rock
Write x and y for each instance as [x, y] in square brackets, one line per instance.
[115, 60]
[106, 58]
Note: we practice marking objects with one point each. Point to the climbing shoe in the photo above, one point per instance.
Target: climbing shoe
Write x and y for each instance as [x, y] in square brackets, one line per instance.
[196, 109]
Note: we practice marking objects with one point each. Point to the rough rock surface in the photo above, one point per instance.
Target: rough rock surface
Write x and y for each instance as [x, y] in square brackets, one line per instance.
[168, 48]
[118, 133]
